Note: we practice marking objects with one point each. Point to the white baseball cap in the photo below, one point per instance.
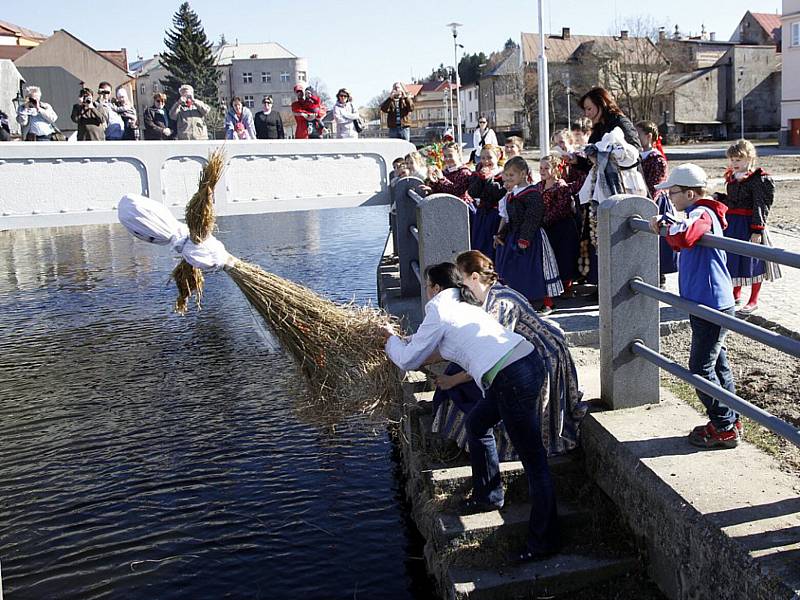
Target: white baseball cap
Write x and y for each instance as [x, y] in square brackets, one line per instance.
[687, 175]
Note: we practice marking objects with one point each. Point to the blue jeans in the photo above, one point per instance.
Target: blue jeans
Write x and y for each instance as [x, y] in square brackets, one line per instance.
[514, 398]
[401, 133]
[709, 359]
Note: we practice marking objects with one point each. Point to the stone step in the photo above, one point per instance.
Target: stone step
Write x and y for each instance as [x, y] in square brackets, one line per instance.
[559, 574]
[486, 532]
[458, 480]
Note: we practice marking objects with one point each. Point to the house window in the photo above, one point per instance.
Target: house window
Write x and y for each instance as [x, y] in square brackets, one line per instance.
[469, 98]
[286, 101]
[285, 76]
[141, 89]
[249, 102]
[266, 77]
[247, 77]
[155, 86]
[301, 76]
[795, 34]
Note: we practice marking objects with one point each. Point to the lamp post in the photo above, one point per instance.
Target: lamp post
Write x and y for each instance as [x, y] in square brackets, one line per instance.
[544, 109]
[454, 28]
[569, 108]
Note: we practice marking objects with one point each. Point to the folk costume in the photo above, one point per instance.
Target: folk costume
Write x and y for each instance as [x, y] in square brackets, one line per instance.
[486, 193]
[654, 169]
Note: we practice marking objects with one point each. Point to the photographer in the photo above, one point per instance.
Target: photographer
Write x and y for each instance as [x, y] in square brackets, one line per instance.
[36, 117]
[115, 127]
[397, 107]
[90, 117]
[188, 113]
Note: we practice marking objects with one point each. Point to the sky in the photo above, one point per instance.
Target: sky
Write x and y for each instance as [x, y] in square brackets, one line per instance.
[366, 46]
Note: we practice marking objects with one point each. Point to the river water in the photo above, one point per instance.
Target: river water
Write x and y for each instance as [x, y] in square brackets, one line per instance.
[147, 455]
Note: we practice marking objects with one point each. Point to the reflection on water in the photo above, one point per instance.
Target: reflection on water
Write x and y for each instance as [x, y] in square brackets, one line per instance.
[145, 455]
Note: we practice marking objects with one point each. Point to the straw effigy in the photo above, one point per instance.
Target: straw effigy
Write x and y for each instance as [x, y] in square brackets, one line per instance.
[337, 346]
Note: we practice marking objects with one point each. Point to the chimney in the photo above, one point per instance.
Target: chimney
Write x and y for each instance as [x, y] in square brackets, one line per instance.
[623, 35]
[565, 33]
[662, 34]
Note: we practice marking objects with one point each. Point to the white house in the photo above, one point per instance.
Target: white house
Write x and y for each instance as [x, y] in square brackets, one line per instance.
[790, 74]
[470, 110]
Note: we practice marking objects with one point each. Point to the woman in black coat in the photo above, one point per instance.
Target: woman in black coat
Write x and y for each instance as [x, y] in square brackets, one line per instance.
[599, 106]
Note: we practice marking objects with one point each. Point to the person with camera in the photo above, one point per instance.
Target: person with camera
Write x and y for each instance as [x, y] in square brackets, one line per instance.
[115, 127]
[156, 122]
[90, 117]
[37, 118]
[397, 108]
[189, 113]
[127, 112]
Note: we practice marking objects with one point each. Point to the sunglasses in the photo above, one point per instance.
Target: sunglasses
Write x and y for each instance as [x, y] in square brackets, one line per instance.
[104, 92]
[267, 101]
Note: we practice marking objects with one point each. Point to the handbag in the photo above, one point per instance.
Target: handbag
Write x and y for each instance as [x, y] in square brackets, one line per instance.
[57, 135]
[358, 124]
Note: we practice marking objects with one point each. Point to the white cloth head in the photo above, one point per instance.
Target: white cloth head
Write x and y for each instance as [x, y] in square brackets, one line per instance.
[152, 222]
[615, 137]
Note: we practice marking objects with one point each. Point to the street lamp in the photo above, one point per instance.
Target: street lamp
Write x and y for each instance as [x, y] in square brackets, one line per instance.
[544, 109]
[454, 28]
[569, 108]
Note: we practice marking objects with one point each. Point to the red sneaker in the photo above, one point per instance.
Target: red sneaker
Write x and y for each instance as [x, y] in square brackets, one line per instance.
[707, 436]
[739, 429]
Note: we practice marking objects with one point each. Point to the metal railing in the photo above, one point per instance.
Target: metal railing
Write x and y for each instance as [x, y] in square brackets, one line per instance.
[629, 263]
[426, 230]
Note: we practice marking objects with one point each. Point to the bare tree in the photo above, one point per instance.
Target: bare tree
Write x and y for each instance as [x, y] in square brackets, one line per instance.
[321, 90]
[635, 67]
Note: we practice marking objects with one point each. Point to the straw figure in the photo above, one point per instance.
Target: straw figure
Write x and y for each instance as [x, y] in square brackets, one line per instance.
[334, 344]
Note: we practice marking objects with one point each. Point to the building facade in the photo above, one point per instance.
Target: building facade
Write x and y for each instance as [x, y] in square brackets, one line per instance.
[470, 106]
[790, 89]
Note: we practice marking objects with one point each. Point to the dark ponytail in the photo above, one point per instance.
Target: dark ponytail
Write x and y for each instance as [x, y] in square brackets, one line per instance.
[446, 276]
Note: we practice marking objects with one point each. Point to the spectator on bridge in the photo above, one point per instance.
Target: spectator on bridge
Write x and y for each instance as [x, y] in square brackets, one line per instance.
[510, 373]
[345, 115]
[308, 113]
[156, 122]
[90, 117]
[703, 277]
[188, 113]
[115, 126]
[456, 177]
[239, 122]
[37, 118]
[127, 112]
[480, 137]
[486, 190]
[397, 108]
[749, 195]
[268, 123]
[654, 169]
[601, 108]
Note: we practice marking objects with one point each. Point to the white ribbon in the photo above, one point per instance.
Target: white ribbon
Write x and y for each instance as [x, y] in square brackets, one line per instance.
[152, 222]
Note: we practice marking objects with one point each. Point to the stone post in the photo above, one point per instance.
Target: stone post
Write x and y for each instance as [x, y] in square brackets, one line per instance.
[625, 379]
[407, 245]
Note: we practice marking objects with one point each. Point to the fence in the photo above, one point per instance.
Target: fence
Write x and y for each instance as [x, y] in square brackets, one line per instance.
[629, 313]
[426, 231]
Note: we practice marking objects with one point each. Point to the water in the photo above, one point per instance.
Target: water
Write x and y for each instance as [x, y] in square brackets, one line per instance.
[146, 455]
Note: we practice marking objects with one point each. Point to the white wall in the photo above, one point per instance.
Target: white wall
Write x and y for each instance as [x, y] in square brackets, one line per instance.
[50, 184]
[790, 72]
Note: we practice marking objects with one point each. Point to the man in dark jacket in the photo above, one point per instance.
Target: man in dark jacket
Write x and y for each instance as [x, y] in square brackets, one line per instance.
[269, 125]
[90, 117]
[156, 121]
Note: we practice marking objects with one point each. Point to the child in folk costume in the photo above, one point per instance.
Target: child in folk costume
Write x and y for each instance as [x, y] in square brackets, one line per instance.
[749, 196]
[575, 174]
[513, 147]
[486, 189]
[456, 177]
[559, 217]
[525, 259]
[581, 129]
[415, 165]
[654, 168]
[614, 171]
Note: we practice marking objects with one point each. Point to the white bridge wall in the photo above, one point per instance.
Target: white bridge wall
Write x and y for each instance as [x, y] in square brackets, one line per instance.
[47, 184]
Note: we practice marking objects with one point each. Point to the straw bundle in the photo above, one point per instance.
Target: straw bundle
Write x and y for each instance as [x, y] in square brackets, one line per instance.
[336, 346]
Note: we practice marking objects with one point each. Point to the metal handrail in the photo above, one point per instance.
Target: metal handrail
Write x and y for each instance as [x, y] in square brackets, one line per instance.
[415, 268]
[765, 336]
[774, 340]
[415, 196]
[414, 231]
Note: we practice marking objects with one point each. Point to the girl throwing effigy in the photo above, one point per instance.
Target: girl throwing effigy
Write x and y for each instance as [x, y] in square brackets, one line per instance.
[510, 372]
[749, 195]
[525, 259]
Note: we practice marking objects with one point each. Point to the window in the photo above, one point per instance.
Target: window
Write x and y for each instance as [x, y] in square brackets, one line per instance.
[247, 77]
[266, 77]
[285, 76]
[286, 101]
[249, 102]
[469, 99]
[470, 117]
[795, 35]
[141, 89]
[301, 76]
[156, 87]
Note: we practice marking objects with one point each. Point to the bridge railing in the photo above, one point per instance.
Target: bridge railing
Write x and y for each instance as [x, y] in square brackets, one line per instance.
[629, 313]
[426, 230]
[49, 184]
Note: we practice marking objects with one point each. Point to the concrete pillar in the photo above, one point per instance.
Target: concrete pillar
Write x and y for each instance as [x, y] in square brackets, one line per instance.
[625, 379]
[443, 229]
[407, 245]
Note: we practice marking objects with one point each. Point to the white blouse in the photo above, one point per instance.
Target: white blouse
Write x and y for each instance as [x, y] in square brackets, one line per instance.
[463, 333]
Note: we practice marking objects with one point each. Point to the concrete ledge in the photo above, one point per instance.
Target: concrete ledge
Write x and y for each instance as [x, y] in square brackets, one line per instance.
[715, 524]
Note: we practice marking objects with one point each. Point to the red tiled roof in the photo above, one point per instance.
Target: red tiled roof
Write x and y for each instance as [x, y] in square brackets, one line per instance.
[118, 57]
[413, 89]
[22, 31]
[13, 52]
[771, 24]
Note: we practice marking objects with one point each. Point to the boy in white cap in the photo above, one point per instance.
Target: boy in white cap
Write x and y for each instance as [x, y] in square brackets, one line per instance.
[703, 277]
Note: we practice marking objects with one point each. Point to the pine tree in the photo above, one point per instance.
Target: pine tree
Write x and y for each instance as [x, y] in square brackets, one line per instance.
[189, 59]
